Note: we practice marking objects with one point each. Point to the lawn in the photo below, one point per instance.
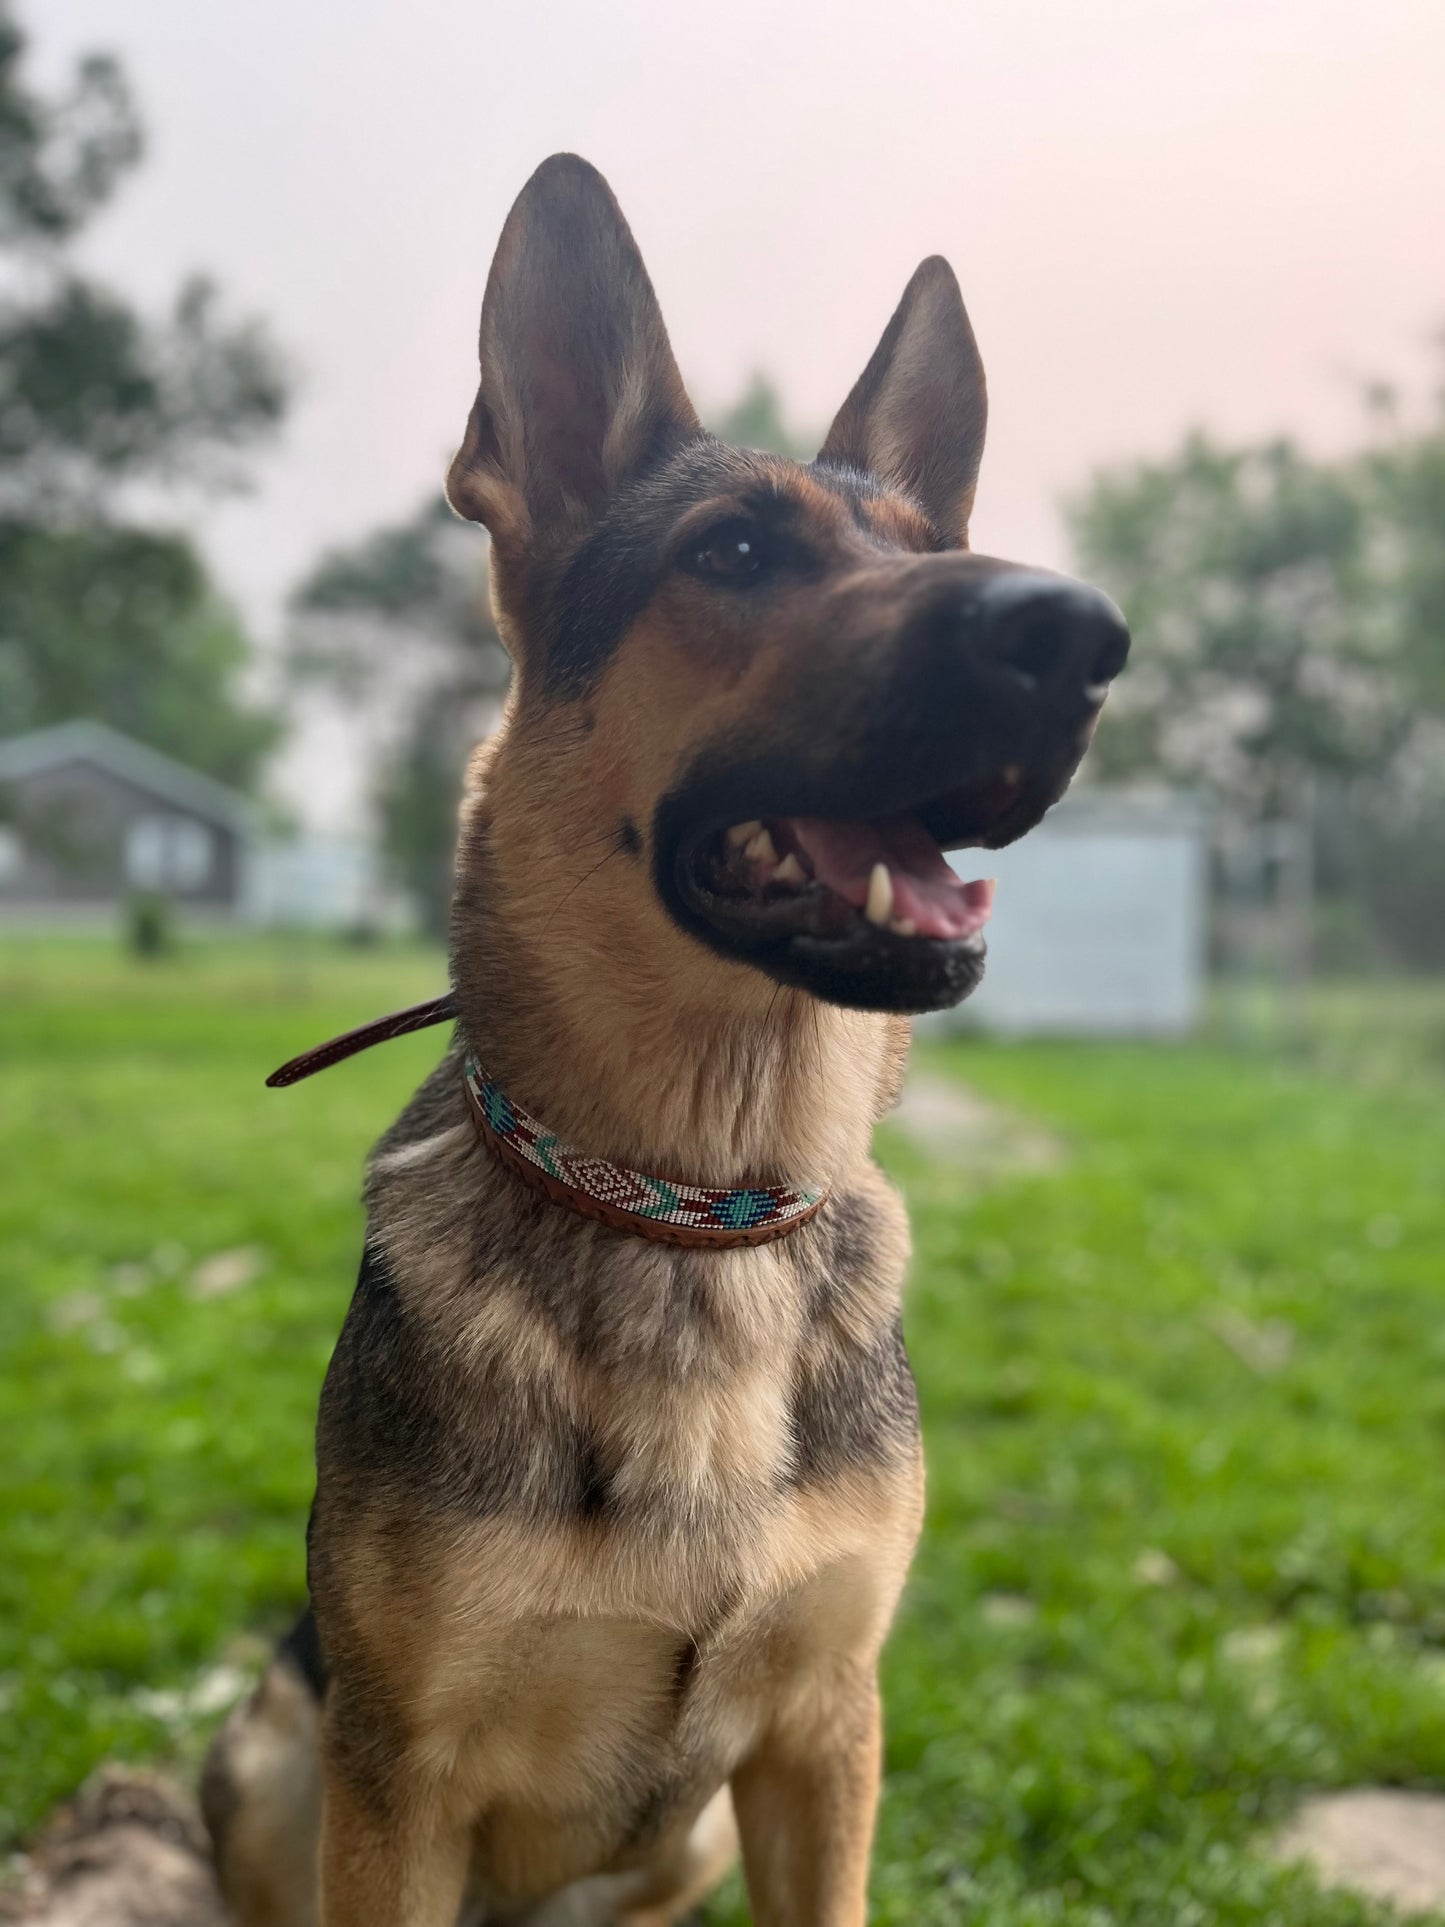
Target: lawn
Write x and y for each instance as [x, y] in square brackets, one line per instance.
[1184, 1394]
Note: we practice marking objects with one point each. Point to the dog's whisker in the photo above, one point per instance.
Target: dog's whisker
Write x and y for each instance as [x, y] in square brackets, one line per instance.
[570, 892]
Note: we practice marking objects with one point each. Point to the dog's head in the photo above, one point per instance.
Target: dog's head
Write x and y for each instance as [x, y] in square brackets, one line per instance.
[775, 694]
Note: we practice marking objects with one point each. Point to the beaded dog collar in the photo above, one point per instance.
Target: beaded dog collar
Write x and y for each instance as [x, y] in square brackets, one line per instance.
[664, 1209]
[661, 1208]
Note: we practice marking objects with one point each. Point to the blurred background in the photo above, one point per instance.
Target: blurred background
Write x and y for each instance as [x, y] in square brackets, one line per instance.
[1178, 1171]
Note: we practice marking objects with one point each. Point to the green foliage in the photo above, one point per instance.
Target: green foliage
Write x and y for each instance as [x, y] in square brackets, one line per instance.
[1185, 1551]
[1257, 656]
[425, 572]
[1288, 615]
[417, 800]
[400, 623]
[1289, 624]
[756, 420]
[92, 397]
[122, 624]
[366, 614]
[60, 160]
[1403, 478]
[96, 618]
[149, 924]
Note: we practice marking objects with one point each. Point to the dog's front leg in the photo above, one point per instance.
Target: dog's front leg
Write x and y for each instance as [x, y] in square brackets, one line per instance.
[391, 1853]
[805, 1800]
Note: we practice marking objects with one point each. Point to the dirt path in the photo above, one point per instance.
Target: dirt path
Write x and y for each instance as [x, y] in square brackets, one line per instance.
[129, 1850]
[954, 1125]
[1379, 1841]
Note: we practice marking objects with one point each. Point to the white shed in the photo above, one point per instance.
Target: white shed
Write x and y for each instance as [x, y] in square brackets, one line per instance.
[1099, 926]
[318, 882]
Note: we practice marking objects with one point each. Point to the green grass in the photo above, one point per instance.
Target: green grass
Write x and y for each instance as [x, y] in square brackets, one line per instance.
[158, 1463]
[1184, 1400]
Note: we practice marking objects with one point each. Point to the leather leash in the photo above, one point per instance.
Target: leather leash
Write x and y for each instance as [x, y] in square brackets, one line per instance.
[381, 1030]
[507, 1146]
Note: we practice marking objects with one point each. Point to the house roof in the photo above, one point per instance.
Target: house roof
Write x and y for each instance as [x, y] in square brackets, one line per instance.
[96, 743]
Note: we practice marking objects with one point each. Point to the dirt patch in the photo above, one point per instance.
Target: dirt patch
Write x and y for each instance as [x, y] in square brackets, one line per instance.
[954, 1125]
[130, 1850]
[227, 1271]
[1377, 1841]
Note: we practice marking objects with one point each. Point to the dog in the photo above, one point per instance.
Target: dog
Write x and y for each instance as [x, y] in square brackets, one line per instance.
[618, 1459]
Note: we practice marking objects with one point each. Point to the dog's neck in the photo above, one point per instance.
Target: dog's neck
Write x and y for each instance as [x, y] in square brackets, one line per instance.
[770, 1087]
[723, 1100]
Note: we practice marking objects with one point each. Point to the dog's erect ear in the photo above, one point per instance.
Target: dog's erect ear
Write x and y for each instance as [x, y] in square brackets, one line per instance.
[579, 389]
[917, 413]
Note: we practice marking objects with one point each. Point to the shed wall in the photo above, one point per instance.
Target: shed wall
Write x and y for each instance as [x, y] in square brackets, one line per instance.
[1099, 926]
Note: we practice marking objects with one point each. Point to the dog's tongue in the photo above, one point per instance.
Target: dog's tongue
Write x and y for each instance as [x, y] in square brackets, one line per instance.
[926, 892]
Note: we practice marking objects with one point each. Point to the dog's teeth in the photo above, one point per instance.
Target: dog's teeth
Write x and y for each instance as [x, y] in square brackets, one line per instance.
[760, 849]
[1095, 692]
[742, 834]
[879, 906]
[903, 926]
[790, 871]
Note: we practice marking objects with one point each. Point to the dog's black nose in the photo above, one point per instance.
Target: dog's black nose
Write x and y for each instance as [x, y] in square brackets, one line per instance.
[1050, 634]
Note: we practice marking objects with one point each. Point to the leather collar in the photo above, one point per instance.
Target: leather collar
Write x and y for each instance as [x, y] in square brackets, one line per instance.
[665, 1210]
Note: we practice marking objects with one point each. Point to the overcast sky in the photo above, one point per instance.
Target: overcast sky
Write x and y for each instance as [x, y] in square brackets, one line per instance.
[1162, 212]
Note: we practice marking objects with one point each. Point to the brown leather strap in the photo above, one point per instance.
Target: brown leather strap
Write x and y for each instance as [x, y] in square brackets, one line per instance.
[381, 1030]
[441, 1010]
[691, 1237]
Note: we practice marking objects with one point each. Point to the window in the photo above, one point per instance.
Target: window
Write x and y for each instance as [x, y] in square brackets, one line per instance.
[145, 853]
[168, 853]
[190, 854]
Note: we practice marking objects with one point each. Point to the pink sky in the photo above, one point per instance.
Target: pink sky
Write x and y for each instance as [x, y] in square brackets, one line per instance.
[1162, 212]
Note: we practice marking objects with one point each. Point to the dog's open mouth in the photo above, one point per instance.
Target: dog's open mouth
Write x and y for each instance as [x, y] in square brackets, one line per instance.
[864, 910]
[810, 874]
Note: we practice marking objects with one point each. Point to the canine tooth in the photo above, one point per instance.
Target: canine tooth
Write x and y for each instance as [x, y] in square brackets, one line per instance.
[790, 871]
[903, 926]
[760, 849]
[1095, 692]
[879, 906]
[742, 833]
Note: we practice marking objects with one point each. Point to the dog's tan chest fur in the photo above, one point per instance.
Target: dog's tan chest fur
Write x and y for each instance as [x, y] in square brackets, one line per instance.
[582, 1698]
[579, 1627]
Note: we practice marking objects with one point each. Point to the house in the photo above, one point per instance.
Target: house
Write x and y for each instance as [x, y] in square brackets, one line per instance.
[89, 816]
[1100, 923]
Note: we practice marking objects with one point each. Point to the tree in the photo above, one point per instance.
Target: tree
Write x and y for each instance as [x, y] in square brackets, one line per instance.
[96, 617]
[1289, 623]
[1258, 658]
[399, 628]
[122, 624]
[756, 420]
[1402, 478]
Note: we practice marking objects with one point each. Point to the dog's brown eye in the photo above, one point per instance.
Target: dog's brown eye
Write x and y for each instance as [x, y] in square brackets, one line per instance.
[732, 551]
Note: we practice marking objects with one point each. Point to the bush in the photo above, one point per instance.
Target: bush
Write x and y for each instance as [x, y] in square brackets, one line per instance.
[149, 925]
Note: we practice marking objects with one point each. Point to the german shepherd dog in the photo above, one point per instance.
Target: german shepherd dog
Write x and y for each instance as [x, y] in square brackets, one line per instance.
[611, 1518]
